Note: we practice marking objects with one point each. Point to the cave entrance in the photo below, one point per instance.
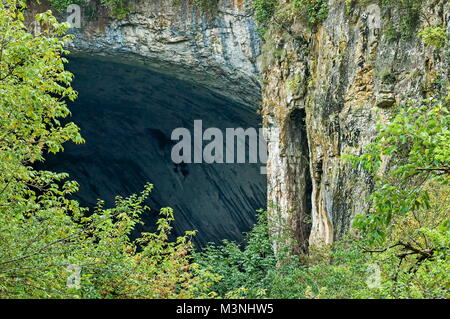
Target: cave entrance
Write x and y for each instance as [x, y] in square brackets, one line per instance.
[126, 114]
[299, 178]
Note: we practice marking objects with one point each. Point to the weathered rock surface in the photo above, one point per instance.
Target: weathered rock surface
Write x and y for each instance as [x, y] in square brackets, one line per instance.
[216, 49]
[323, 90]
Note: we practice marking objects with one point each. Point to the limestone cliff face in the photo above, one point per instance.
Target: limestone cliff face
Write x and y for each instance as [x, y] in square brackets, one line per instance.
[217, 49]
[323, 89]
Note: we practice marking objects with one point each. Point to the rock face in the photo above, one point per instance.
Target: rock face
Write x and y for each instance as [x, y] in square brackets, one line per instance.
[217, 49]
[324, 87]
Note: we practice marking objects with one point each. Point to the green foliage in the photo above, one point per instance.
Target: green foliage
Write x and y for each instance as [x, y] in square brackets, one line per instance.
[340, 271]
[434, 36]
[61, 5]
[44, 235]
[256, 271]
[208, 6]
[408, 13]
[415, 258]
[242, 269]
[391, 32]
[416, 140]
[409, 222]
[294, 83]
[348, 6]
[401, 17]
[315, 10]
[119, 8]
[264, 11]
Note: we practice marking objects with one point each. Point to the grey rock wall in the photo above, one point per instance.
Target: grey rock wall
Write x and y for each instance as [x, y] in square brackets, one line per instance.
[217, 50]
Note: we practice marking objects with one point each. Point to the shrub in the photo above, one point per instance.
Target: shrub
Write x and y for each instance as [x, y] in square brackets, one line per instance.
[315, 10]
[408, 228]
[434, 36]
[264, 10]
[50, 246]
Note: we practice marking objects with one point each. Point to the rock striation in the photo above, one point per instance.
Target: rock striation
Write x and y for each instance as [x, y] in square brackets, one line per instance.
[324, 88]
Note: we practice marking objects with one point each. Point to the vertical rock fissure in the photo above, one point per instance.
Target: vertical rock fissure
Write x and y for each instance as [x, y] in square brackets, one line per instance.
[299, 179]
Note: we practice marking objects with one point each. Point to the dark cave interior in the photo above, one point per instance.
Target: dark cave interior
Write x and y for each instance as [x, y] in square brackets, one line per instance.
[126, 114]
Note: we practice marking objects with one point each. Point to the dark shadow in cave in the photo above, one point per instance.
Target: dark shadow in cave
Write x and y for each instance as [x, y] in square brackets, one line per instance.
[300, 176]
[127, 114]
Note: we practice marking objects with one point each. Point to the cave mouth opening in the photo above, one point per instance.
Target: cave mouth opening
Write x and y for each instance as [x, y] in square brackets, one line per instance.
[127, 114]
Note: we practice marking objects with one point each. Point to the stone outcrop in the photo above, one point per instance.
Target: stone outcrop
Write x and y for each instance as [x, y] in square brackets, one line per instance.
[216, 49]
[324, 88]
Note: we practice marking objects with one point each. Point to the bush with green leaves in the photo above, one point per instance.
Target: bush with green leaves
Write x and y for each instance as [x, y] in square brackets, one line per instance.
[254, 270]
[406, 236]
[61, 5]
[315, 10]
[408, 227]
[434, 36]
[416, 142]
[404, 24]
[50, 246]
[242, 269]
[264, 11]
